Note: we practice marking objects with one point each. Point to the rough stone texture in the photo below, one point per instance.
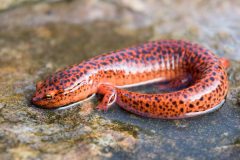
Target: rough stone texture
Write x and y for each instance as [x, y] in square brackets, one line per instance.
[39, 38]
[9, 4]
[6, 4]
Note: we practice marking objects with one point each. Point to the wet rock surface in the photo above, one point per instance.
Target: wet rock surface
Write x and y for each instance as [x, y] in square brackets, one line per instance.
[39, 38]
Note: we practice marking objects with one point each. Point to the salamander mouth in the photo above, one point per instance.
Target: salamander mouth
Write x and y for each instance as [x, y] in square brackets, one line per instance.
[40, 102]
[64, 106]
[52, 104]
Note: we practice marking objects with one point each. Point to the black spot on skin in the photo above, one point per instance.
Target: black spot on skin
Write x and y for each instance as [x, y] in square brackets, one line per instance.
[192, 60]
[181, 109]
[191, 105]
[201, 99]
[144, 51]
[94, 64]
[160, 56]
[147, 105]
[156, 98]
[151, 58]
[104, 63]
[180, 52]
[129, 53]
[118, 58]
[88, 67]
[159, 49]
[181, 102]
[212, 79]
[122, 54]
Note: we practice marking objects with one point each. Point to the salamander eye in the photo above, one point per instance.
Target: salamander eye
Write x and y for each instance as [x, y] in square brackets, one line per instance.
[48, 96]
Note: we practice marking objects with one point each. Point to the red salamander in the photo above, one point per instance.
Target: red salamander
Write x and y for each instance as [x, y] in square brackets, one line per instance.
[163, 60]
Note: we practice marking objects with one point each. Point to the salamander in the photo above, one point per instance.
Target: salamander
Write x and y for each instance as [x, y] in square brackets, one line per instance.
[111, 73]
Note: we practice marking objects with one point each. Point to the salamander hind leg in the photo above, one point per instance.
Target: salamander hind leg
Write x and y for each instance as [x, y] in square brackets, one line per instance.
[109, 96]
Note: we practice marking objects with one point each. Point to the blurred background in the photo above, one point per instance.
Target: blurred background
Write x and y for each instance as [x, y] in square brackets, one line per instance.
[37, 37]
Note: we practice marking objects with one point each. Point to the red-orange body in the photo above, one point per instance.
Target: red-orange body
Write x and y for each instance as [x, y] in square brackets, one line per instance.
[162, 60]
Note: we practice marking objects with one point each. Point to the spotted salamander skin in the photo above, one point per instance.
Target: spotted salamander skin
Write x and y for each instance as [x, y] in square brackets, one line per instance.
[109, 73]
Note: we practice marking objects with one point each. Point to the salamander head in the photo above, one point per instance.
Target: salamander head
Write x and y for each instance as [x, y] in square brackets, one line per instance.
[57, 91]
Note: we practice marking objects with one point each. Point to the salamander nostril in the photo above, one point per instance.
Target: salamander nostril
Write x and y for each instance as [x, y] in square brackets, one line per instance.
[34, 99]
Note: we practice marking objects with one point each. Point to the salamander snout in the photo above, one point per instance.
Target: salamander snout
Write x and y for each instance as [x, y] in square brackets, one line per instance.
[38, 96]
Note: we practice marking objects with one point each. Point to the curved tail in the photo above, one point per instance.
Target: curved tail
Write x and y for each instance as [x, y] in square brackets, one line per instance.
[225, 62]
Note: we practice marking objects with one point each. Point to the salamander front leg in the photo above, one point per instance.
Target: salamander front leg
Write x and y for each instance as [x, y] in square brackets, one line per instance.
[109, 96]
